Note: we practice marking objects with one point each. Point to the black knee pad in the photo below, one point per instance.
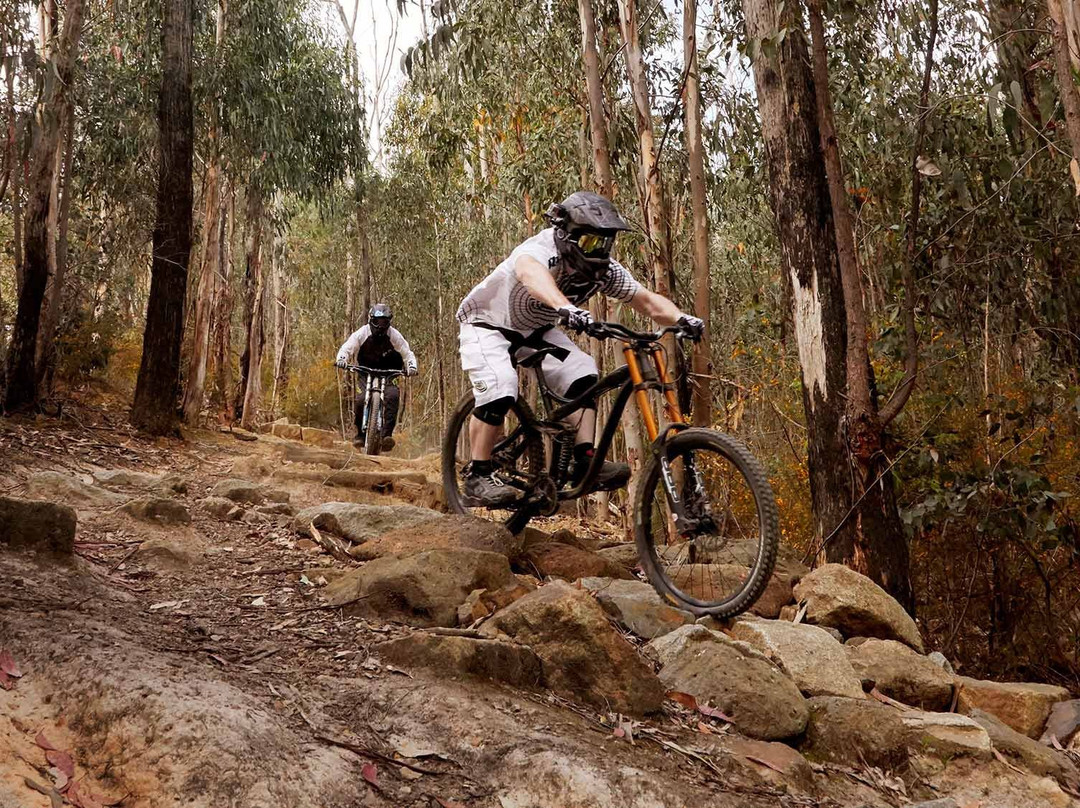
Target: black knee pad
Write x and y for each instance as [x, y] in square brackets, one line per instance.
[494, 412]
[580, 386]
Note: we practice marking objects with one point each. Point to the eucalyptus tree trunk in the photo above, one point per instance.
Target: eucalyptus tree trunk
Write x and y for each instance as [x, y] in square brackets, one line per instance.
[281, 320]
[858, 523]
[221, 321]
[251, 358]
[158, 384]
[21, 392]
[365, 259]
[15, 166]
[1070, 98]
[702, 363]
[595, 90]
[54, 287]
[209, 260]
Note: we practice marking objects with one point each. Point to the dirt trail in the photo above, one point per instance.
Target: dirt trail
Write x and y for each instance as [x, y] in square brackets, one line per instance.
[206, 668]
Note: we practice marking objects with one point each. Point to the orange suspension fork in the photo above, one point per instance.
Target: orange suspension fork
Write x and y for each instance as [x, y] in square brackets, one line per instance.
[673, 411]
[644, 406]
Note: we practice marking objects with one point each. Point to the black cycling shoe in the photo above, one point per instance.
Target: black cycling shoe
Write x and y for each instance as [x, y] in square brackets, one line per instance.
[612, 476]
[487, 491]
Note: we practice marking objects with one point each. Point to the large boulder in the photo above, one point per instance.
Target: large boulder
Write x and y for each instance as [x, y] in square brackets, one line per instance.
[1034, 756]
[57, 487]
[839, 597]
[30, 525]
[860, 732]
[557, 560]
[1024, 707]
[169, 553]
[902, 674]
[423, 589]
[637, 606]
[222, 508]
[158, 510]
[287, 431]
[356, 522]
[436, 532]
[808, 654]
[497, 660]
[483, 603]
[583, 657]
[624, 554]
[1063, 723]
[761, 700]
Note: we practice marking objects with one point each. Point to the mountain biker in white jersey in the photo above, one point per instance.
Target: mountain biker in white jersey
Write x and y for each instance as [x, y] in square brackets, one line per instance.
[377, 345]
[547, 278]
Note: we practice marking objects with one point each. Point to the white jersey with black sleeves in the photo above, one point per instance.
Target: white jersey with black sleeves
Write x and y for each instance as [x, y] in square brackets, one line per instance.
[503, 301]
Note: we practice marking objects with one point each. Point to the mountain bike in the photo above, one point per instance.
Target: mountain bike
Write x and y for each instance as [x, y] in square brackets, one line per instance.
[371, 427]
[705, 519]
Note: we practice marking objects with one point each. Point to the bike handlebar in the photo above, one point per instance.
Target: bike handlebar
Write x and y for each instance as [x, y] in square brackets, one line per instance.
[390, 374]
[611, 330]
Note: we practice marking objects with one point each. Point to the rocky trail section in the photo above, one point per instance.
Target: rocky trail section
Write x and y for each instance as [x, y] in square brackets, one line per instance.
[270, 622]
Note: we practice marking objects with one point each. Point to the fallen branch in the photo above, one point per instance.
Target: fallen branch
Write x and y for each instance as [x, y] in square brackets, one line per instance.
[363, 751]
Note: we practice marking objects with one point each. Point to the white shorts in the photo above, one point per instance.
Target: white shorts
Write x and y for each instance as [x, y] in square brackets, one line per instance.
[485, 356]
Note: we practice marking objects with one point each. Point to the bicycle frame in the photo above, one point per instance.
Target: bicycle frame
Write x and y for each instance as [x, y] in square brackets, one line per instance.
[628, 380]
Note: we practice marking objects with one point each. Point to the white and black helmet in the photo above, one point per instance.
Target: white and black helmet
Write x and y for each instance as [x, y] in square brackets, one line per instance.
[585, 228]
[379, 318]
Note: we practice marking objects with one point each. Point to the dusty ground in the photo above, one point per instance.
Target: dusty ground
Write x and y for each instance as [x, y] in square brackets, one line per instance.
[222, 680]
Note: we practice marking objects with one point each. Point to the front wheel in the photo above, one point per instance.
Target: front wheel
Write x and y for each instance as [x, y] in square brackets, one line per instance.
[518, 457]
[373, 438]
[719, 559]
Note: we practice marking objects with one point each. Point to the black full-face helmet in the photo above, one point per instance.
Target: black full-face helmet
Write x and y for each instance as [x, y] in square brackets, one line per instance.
[585, 228]
[379, 318]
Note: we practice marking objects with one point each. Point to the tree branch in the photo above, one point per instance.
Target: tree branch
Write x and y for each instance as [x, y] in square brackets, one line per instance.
[911, 363]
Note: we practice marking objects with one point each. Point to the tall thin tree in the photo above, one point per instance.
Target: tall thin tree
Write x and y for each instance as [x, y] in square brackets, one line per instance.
[157, 388]
[21, 392]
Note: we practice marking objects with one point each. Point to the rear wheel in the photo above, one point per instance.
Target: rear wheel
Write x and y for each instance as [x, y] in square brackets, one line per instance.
[373, 438]
[518, 458]
[719, 561]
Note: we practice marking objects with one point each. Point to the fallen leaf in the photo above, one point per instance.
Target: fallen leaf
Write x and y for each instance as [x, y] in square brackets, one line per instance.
[371, 774]
[8, 666]
[82, 799]
[165, 604]
[409, 774]
[712, 712]
[44, 742]
[61, 780]
[685, 699]
[1074, 169]
[6, 682]
[619, 732]
[765, 763]
[926, 167]
[259, 601]
[62, 761]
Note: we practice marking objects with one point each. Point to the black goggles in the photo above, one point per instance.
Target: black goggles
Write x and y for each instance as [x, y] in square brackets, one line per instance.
[593, 244]
[380, 323]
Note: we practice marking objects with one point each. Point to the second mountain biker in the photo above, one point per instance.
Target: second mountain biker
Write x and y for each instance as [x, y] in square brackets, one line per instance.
[516, 308]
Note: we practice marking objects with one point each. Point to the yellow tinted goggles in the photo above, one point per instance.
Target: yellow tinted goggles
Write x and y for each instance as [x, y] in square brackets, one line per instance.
[594, 243]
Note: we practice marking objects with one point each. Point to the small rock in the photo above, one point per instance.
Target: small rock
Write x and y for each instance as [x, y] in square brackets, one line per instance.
[625, 555]
[356, 522]
[637, 606]
[421, 590]
[167, 553]
[1024, 707]
[1034, 756]
[939, 659]
[158, 510]
[255, 518]
[485, 602]
[1063, 723]
[901, 674]
[776, 763]
[241, 491]
[1045, 789]
[437, 532]
[531, 537]
[318, 437]
[235, 514]
[842, 598]
[762, 701]
[808, 654]
[140, 480]
[31, 525]
[217, 506]
[946, 734]
[57, 487]
[583, 657]
[495, 660]
[555, 560]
